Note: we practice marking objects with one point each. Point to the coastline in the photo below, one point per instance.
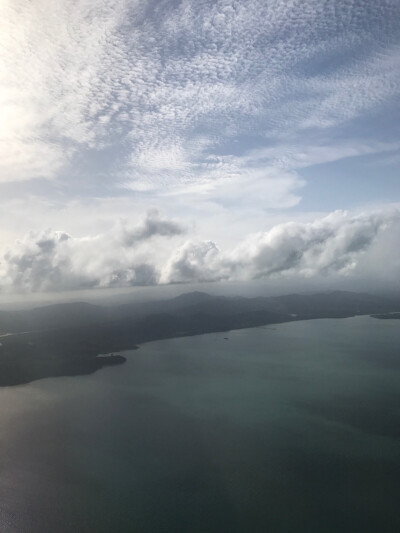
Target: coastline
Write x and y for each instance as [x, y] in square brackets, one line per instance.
[32, 355]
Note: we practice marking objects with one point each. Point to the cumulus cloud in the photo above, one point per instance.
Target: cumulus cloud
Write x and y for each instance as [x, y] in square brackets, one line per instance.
[193, 261]
[56, 261]
[157, 251]
[329, 245]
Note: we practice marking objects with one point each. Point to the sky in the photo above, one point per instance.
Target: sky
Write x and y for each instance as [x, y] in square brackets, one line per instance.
[152, 143]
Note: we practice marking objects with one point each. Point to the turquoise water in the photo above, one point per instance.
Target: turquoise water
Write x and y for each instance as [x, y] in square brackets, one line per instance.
[290, 428]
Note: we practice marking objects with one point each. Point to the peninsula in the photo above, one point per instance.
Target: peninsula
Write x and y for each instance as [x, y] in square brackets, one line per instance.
[75, 338]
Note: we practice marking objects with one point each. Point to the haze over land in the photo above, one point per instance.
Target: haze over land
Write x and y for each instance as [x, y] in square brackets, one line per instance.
[77, 338]
[148, 143]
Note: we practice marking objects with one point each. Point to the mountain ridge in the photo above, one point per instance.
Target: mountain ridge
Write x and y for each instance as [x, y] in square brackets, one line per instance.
[66, 339]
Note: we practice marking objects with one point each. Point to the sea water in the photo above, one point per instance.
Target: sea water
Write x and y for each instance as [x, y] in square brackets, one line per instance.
[286, 428]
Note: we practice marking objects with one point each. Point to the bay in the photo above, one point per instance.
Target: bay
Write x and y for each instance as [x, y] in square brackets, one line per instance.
[286, 428]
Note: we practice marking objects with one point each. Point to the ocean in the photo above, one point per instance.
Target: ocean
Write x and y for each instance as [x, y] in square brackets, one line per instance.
[286, 428]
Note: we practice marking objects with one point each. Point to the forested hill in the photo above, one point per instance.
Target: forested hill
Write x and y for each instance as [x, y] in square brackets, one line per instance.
[65, 339]
[76, 314]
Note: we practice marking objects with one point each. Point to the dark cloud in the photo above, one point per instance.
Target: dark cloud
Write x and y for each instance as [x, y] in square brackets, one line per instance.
[138, 275]
[153, 225]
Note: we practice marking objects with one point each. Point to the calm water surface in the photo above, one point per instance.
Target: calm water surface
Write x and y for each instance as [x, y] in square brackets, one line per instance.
[290, 428]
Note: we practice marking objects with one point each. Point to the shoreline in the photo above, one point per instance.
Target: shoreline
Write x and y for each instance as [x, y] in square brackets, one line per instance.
[73, 352]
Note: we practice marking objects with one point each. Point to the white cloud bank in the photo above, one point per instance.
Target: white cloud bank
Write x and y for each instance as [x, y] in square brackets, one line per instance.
[160, 252]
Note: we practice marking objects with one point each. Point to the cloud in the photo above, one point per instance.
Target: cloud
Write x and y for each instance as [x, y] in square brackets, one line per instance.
[55, 261]
[326, 246]
[331, 245]
[194, 261]
[50, 87]
[152, 226]
[173, 85]
[158, 252]
[206, 110]
[288, 156]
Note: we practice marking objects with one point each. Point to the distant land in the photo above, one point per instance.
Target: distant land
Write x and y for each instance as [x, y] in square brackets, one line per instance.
[80, 338]
[385, 316]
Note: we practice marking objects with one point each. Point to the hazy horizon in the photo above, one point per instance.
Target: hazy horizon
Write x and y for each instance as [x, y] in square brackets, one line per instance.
[249, 289]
